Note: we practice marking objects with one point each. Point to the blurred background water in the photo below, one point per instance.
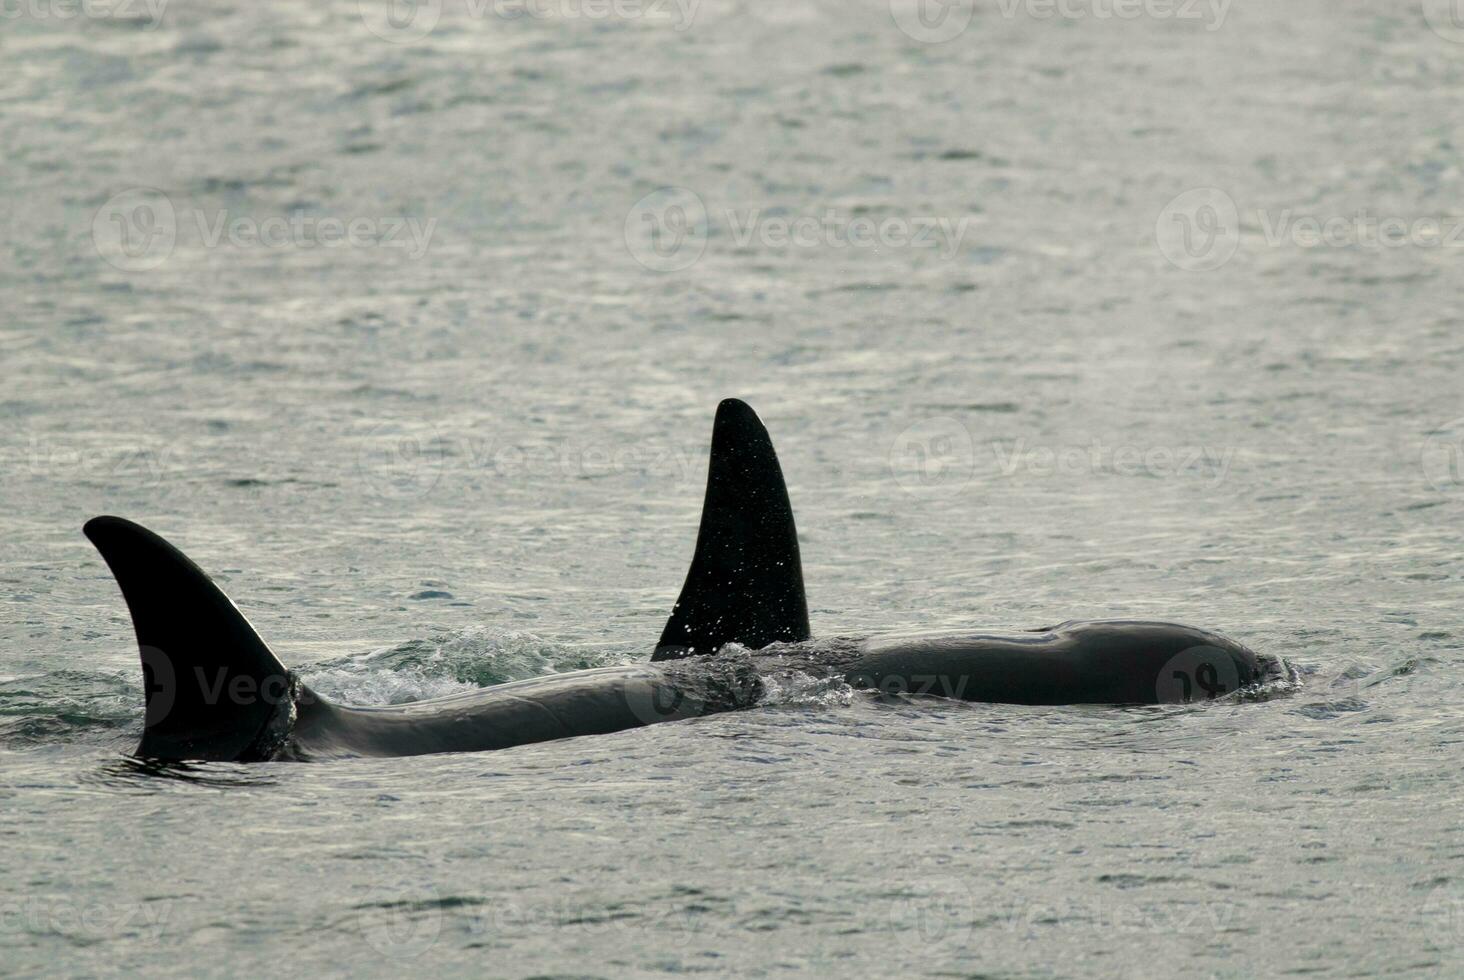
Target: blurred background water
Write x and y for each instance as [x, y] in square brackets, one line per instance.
[407, 322]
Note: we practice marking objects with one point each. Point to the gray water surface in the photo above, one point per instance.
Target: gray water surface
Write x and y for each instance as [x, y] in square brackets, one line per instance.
[1125, 379]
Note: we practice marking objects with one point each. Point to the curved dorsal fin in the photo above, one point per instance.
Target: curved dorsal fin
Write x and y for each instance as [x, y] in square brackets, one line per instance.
[213, 687]
[745, 584]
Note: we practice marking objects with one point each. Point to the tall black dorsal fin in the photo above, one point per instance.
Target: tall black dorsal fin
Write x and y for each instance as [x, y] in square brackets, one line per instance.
[746, 580]
[214, 690]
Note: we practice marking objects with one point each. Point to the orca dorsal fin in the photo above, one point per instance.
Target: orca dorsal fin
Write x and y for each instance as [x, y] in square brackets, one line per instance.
[745, 584]
[214, 690]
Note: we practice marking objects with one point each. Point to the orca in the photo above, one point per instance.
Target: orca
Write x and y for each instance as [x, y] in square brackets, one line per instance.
[214, 691]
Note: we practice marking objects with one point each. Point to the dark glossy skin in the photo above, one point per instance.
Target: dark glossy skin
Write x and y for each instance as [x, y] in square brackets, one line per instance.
[215, 690]
[1109, 662]
[745, 583]
[541, 709]
[1100, 662]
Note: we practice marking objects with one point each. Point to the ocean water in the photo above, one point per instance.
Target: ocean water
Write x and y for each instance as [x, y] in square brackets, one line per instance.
[408, 325]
